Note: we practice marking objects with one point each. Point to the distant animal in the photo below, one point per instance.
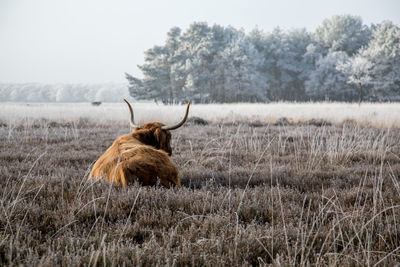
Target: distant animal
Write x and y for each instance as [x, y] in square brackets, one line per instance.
[142, 155]
[96, 103]
[197, 121]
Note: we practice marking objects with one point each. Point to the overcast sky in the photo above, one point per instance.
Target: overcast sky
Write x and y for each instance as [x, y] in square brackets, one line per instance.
[93, 41]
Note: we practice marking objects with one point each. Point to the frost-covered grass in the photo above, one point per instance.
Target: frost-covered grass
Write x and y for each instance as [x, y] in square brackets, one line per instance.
[252, 195]
[368, 114]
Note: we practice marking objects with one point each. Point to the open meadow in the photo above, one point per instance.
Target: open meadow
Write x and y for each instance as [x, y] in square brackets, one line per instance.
[280, 184]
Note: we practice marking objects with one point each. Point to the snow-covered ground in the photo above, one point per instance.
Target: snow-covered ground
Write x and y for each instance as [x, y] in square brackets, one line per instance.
[372, 114]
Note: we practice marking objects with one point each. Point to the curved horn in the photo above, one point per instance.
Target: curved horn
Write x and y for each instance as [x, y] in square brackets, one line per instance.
[176, 126]
[132, 121]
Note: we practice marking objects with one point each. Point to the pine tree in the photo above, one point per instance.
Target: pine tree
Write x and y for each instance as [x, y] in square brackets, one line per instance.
[344, 33]
[242, 82]
[326, 82]
[383, 55]
[136, 88]
[283, 65]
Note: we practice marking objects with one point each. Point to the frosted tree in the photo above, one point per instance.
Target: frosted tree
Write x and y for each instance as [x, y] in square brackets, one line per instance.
[358, 70]
[326, 82]
[156, 72]
[175, 62]
[34, 94]
[310, 58]
[269, 46]
[266, 45]
[203, 45]
[109, 93]
[64, 94]
[383, 57]
[197, 81]
[14, 95]
[242, 81]
[342, 33]
[160, 81]
[283, 66]
[223, 38]
[194, 51]
[136, 88]
[294, 69]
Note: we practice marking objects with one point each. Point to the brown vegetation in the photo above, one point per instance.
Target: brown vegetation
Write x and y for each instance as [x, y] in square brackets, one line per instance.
[285, 194]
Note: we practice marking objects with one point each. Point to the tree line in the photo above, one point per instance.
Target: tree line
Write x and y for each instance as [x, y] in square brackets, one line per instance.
[342, 60]
[80, 92]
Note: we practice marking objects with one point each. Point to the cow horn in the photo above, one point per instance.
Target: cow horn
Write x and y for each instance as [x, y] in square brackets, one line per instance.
[176, 126]
[132, 121]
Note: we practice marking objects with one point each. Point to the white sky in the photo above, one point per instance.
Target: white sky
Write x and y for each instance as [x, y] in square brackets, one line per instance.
[93, 41]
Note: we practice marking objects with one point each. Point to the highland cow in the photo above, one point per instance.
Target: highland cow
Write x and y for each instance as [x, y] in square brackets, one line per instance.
[142, 156]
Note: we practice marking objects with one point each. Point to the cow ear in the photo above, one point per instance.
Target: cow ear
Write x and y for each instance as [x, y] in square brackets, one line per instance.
[158, 135]
[161, 137]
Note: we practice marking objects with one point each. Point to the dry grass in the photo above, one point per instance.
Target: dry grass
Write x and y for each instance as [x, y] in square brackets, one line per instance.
[252, 194]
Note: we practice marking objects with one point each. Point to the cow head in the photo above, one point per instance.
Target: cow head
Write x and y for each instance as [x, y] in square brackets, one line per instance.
[155, 134]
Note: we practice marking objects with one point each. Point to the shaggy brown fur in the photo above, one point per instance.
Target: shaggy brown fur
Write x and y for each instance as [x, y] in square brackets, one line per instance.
[139, 156]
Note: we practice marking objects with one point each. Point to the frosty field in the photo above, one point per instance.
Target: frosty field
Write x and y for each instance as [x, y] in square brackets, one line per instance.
[384, 115]
[319, 188]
